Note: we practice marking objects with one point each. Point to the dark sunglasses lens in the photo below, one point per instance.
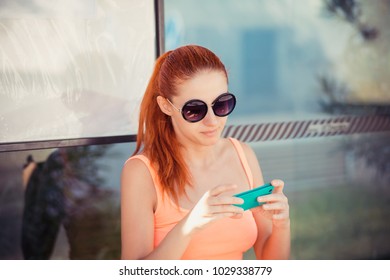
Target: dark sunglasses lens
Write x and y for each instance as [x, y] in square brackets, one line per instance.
[224, 105]
[194, 111]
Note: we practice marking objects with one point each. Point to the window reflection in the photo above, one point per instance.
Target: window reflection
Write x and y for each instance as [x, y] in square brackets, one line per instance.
[62, 203]
[286, 62]
[308, 63]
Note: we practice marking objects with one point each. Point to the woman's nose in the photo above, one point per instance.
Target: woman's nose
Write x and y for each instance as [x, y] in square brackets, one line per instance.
[210, 119]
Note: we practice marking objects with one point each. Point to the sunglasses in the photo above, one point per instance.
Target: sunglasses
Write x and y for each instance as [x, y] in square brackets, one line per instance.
[195, 110]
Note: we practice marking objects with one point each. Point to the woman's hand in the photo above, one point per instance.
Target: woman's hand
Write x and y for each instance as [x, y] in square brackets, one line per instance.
[276, 205]
[215, 204]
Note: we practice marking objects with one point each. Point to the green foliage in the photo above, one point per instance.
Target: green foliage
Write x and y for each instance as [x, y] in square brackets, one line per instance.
[346, 222]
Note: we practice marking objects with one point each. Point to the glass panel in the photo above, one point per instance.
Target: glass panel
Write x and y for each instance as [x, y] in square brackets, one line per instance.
[313, 96]
[338, 185]
[65, 204]
[290, 60]
[73, 69]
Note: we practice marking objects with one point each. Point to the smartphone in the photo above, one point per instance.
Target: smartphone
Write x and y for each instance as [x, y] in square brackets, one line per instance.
[250, 197]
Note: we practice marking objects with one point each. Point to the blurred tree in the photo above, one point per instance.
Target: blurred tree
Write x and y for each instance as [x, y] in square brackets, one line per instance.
[351, 11]
[363, 86]
[67, 190]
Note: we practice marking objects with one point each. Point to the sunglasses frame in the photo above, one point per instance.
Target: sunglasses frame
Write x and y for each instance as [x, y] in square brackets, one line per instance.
[207, 107]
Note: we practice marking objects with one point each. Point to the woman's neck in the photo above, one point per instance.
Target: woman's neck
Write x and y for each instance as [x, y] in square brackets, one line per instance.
[201, 156]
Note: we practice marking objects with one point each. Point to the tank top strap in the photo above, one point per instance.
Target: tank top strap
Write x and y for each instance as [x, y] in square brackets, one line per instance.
[243, 159]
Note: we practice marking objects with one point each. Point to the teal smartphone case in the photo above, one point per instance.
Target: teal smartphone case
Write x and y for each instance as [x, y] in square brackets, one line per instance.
[250, 197]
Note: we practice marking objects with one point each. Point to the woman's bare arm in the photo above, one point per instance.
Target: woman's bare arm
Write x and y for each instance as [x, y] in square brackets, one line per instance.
[273, 240]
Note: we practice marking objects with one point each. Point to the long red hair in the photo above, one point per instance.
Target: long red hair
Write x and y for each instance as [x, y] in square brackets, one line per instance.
[155, 131]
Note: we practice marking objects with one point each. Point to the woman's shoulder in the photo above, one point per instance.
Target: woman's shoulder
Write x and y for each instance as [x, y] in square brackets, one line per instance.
[137, 186]
[137, 159]
[137, 172]
[137, 164]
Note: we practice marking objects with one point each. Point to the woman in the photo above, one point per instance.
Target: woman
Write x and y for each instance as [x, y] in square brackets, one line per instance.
[177, 192]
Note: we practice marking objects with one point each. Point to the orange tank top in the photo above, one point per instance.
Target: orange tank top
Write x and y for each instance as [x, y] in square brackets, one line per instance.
[225, 239]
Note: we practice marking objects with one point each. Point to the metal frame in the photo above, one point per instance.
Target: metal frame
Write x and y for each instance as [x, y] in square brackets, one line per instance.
[46, 144]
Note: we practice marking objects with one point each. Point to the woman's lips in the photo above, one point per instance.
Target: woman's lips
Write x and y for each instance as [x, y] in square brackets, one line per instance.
[210, 132]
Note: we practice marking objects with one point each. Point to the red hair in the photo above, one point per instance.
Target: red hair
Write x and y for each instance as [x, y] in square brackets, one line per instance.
[155, 131]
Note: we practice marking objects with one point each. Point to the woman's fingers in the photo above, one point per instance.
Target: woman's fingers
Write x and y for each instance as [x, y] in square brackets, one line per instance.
[227, 208]
[275, 204]
[221, 204]
[280, 216]
[278, 184]
[273, 197]
[215, 204]
[221, 189]
[222, 200]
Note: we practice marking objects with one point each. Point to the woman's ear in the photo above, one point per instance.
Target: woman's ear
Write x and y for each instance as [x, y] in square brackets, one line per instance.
[164, 105]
